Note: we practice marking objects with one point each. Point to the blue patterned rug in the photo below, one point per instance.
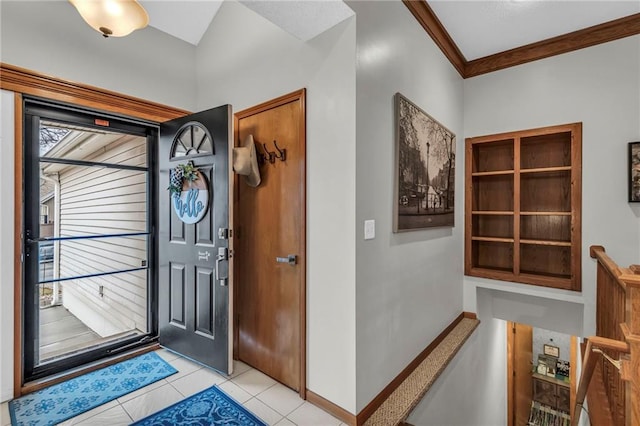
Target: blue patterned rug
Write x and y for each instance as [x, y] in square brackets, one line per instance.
[60, 402]
[207, 408]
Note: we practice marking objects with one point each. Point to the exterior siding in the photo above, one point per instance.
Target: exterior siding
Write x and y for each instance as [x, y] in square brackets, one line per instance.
[95, 200]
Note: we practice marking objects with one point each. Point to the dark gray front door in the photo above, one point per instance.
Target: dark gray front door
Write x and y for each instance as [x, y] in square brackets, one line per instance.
[194, 287]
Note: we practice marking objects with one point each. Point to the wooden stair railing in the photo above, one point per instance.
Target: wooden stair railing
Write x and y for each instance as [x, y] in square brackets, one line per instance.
[616, 346]
[593, 354]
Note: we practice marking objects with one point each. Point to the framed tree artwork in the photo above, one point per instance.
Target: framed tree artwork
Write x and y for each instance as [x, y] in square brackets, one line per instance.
[425, 169]
[634, 172]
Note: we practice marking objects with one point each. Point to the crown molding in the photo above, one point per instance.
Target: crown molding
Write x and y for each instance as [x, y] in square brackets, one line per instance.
[587, 37]
[597, 34]
[432, 25]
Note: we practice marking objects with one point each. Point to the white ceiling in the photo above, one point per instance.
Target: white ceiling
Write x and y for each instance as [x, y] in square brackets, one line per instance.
[481, 28]
[189, 20]
[186, 20]
[478, 27]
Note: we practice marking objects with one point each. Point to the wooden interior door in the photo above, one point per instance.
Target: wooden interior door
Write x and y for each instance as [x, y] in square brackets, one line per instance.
[270, 224]
[519, 363]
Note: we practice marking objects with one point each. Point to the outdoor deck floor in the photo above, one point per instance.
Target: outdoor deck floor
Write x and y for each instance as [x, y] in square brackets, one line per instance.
[62, 332]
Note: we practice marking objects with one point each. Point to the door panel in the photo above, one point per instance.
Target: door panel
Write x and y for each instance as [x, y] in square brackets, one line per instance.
[193, 303]
[271, 224]
[520, 342]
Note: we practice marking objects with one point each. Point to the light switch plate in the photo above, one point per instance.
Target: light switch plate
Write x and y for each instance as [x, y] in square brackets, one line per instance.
[369, 229]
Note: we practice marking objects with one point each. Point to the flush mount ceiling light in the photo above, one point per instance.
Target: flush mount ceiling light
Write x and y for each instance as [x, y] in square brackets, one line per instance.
[112, 18]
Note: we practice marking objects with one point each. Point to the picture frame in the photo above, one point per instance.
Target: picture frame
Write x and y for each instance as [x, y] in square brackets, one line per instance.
[634, 172]
[424, 190]
[551, 350]
[563, 369]
[550, 362]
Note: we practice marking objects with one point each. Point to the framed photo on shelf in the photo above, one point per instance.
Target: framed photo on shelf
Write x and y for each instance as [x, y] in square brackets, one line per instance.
[552, 351]
[634, 172]
[549, 362]
[563, 370]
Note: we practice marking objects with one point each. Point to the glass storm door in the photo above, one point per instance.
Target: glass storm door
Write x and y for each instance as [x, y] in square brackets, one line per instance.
[89, 249]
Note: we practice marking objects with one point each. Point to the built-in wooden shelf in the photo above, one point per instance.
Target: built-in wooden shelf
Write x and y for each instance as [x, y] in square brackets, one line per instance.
[546, 169]
[493, 239]
[547, 243]
[522, 206]
[492, 212]
[545, 213]
[494, 173]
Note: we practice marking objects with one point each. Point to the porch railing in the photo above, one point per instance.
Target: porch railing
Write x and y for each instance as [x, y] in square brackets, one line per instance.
[615, 350]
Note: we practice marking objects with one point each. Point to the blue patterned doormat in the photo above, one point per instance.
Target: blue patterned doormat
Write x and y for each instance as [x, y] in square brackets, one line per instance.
[207, 408]
[52, 405]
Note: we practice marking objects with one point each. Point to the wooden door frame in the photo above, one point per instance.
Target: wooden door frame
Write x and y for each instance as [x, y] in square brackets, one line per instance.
[573, 360]
[510, 364]
[297, 96]
[21, 82]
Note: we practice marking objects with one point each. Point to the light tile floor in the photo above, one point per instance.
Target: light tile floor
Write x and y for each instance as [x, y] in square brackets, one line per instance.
[274, 403]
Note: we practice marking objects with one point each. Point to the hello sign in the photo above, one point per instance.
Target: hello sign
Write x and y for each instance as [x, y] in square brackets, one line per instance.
[191, 204]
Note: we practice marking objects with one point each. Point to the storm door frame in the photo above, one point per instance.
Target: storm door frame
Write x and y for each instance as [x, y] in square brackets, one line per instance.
[35, 109]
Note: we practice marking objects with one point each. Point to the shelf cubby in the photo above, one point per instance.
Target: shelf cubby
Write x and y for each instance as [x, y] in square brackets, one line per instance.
[493, 156]
[550, 261]
[547, 150]
[545, 191]
[493, 192]
[493, 255]
[546, 227]
[500, 226]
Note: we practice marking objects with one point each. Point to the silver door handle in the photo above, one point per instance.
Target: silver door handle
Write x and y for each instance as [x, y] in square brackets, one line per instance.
[223, 254]
[292, 259]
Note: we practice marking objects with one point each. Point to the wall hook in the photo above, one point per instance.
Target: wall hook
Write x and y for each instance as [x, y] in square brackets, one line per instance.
[282, 152]
[271, 155]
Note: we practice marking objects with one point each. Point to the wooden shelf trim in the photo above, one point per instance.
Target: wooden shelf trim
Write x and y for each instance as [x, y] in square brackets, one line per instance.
[547, 169]
[520, 134]
[545, 213]
[546, 243]
[493, 173]
[493, 212]
[550, 379]
[493, 239]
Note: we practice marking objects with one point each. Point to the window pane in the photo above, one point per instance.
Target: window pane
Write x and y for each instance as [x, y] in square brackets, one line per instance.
[77, 143]
[92, 311]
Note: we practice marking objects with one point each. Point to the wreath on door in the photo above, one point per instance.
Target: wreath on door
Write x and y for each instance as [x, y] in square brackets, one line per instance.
[189, 193]
[181, 173]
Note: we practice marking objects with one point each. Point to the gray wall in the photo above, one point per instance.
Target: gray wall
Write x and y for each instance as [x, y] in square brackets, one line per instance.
[244, 59]
[472, 390]
[599, 87]
[50, 37]
[543, 337]
[409, 285]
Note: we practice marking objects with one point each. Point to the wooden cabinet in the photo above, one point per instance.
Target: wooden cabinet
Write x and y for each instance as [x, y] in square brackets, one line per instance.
[552, 392]
[522, 206]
